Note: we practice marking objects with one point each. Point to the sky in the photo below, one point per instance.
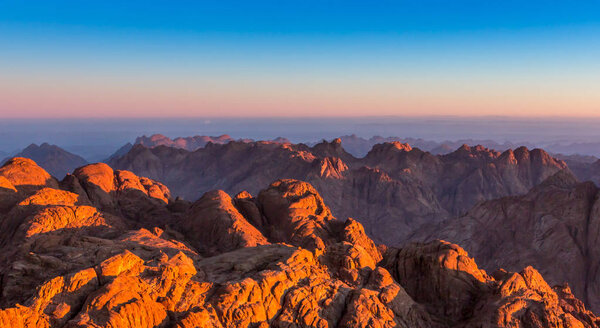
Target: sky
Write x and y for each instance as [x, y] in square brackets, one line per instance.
[77, 59]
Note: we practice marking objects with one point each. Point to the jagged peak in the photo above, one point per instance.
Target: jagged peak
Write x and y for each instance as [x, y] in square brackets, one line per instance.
[522, 153]
[508, 156]
[43, 145]
[475, 151]
[374, 172]
[331, 149]
[331, 167]
[389, 147]
[281, 140]
[335, 144]
[31, 147]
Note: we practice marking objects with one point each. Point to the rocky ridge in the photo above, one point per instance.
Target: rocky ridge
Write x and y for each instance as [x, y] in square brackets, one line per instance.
[107, 248]
[189, 143]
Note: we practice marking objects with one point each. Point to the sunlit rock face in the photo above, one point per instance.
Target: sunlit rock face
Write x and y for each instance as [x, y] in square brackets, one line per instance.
[107, 248]
[392, 190]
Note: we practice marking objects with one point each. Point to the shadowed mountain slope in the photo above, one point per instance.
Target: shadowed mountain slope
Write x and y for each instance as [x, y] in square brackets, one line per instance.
[555, 228]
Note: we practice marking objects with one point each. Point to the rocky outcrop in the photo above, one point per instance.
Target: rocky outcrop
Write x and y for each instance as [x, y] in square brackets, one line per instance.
[216, 226]
[280, 259]
[120, 192]
[26, 175]
[443, 278]
[295, 213]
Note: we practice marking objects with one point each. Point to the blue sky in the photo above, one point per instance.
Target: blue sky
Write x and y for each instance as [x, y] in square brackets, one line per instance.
[299, 58]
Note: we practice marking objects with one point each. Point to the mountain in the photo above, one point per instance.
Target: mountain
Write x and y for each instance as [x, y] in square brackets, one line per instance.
[555, 228]
[188, 143]
[359, 146]
[573, 148]
[585, 168]
[120, 152]
[57, 161]
[107, 248]
[576, 159]
[393, 188]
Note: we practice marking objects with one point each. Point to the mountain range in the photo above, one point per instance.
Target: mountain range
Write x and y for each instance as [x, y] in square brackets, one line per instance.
[191, 143]
[394, 187]
[108, 248]
[359, 146]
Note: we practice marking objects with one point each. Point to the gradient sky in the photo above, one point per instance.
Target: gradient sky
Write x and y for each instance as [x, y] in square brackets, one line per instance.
[299, 58]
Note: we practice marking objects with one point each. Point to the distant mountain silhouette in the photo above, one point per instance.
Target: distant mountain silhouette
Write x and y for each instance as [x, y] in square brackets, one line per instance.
[187, 143]
[359, 146]
[191, 143]
[57, 161]
[120, 152]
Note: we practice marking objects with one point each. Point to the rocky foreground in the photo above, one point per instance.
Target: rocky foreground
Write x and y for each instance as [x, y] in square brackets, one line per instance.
[106, 248]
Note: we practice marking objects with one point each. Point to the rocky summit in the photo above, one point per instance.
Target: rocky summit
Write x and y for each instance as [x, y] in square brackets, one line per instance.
[108, 248]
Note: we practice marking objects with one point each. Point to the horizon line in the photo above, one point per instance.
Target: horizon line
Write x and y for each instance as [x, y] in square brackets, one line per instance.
[319, 117]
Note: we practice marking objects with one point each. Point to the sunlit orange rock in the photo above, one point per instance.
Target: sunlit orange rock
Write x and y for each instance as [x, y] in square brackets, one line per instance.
[296, 213]
[24, 174]
[51, 196]
[216, 226]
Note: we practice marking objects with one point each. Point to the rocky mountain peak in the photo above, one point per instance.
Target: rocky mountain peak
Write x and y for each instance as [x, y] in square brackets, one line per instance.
[388, 148]
[477, 152]
[331, 149]
[331, 167]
